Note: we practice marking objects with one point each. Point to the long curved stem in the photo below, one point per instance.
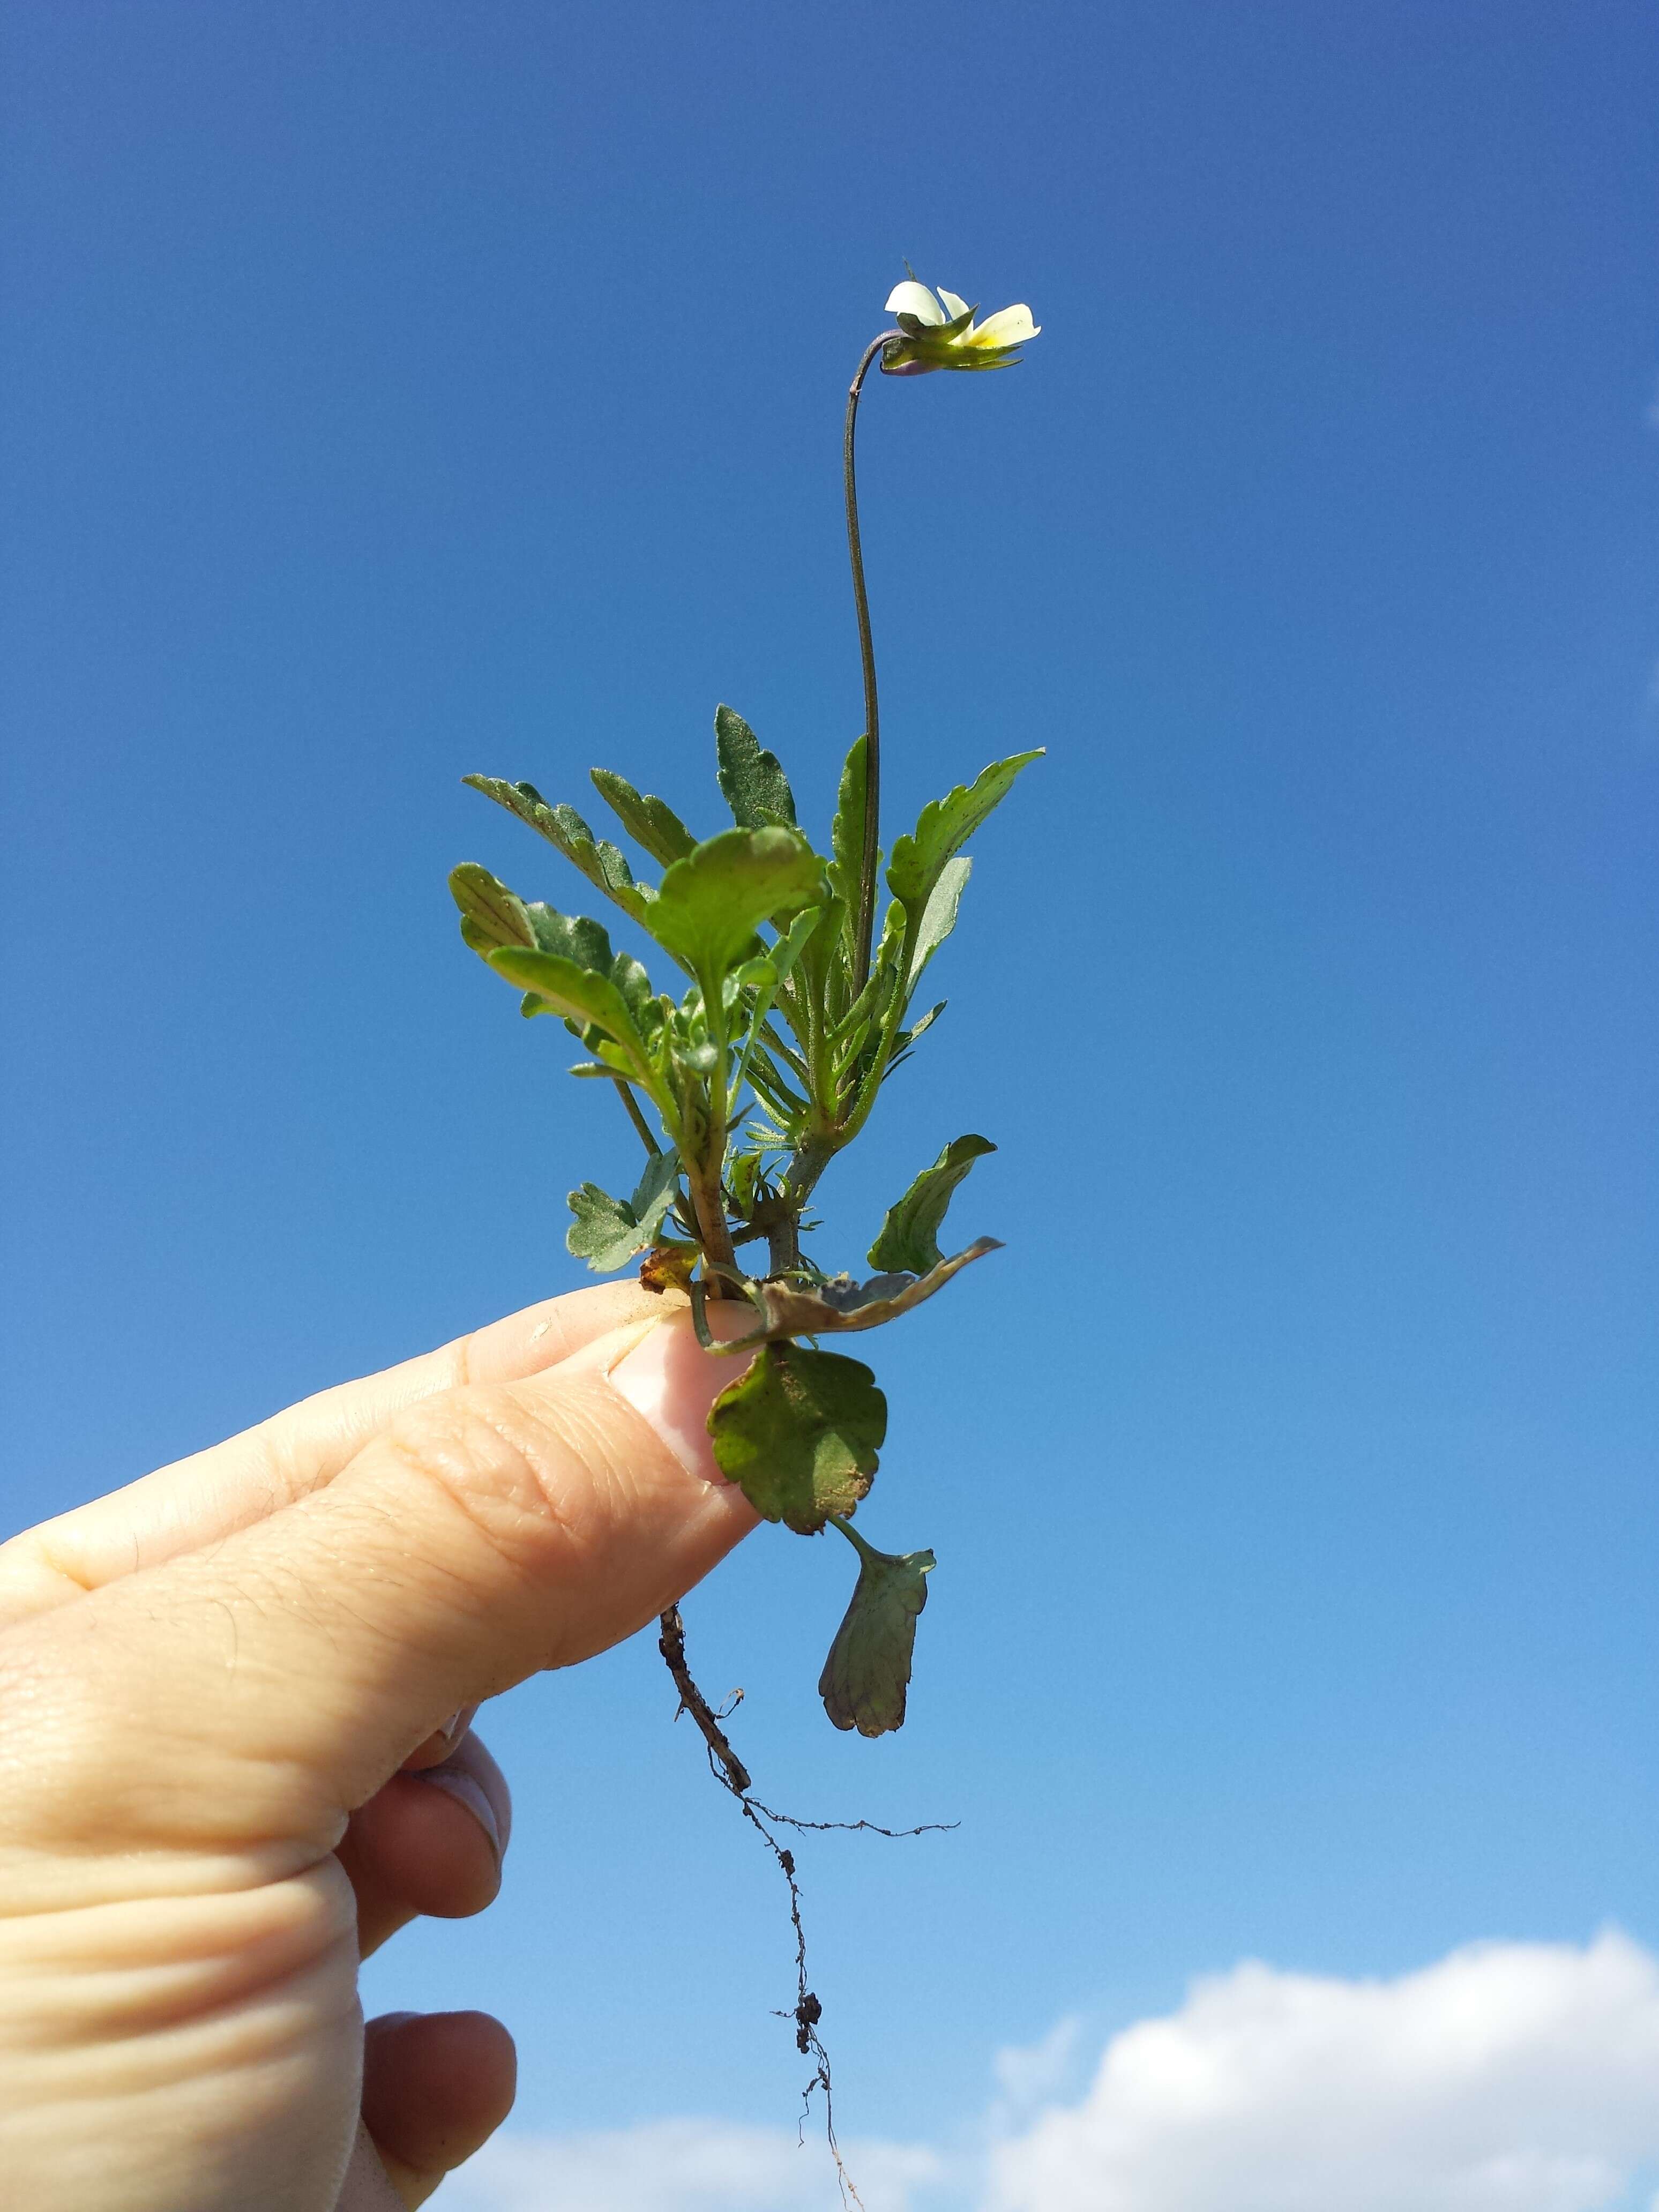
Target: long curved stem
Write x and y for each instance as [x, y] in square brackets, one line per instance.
[638, 1119]
[872, 855]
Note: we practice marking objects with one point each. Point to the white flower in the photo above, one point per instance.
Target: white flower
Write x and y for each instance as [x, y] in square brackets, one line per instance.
[941, 332]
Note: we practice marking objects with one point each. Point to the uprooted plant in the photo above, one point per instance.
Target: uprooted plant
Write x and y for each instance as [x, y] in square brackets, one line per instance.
[768, 1063]
[792, 1011]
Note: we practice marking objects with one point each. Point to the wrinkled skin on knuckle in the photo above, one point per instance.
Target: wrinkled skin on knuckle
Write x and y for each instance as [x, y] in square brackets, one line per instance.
[222, 1961]
[204, 2063]
[565, 1489]
[540, 1482]
[509, 1473]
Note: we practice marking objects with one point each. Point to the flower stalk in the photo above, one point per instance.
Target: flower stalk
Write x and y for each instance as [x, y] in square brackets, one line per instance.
[872, 858]
[927, 335]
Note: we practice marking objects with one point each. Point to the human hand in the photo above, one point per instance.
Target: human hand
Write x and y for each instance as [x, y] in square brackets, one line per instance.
[228, 1689]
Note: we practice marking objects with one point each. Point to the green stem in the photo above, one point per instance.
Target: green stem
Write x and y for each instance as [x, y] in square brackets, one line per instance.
[707, 1195]
[864, 1551]
[783, 1239]
[867, 919]
[638, 1119]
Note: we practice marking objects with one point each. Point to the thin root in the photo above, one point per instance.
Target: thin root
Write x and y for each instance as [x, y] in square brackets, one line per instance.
[731, 1773]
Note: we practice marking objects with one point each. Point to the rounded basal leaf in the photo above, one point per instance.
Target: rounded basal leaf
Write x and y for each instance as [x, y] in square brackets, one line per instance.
[868, 1673]
[800, 1433]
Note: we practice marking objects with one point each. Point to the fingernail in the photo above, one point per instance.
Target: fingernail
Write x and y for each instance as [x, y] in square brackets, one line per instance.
[456, 1782]
[673, 1381]
[458, 1724]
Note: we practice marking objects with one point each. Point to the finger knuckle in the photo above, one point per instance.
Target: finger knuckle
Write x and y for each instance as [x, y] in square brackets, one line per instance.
[526, 1479]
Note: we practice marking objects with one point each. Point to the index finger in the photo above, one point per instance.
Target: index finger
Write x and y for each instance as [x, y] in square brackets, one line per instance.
[208, 1495]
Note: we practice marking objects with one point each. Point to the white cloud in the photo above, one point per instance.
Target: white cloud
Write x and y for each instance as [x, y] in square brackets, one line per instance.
[1029, 2075]
[1510, 2077]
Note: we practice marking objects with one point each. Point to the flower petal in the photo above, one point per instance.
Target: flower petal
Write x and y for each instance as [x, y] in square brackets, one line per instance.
[912, 299]
[954, 306]
[1009, 326]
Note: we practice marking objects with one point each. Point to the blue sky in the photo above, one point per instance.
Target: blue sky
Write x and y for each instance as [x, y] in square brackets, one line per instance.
[399, 392]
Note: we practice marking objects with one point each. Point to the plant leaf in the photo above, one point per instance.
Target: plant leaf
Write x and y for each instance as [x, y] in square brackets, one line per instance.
[651, 823]
[572, 937]
[945, 826]
[491, 915]
[847, 831]
[905, 1038]
[909, 1236]
[798, 1434]
[775, 972]
[867, 1673]
[839, 1305]
[656, 1189]
[601, 862]
[756, 789]
[938, 917]
[580, 994]
[602, 1228]
[608, 1231]
[712, 902]
[669, 1266]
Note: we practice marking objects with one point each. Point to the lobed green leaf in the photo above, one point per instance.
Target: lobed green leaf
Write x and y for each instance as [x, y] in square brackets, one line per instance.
[945, 825]
[651, 823]
[601, 862]
[572, 937]
[800, 1434]
[580, 994]
[608, 1231]
[938, 917]
[756, 787]
[847, 831]
[909, 1234]
[491, 915]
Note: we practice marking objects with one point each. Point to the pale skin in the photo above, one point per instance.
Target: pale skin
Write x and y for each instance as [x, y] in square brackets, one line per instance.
[228, 1690]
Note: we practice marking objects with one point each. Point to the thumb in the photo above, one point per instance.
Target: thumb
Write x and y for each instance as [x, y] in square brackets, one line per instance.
[256, 1691]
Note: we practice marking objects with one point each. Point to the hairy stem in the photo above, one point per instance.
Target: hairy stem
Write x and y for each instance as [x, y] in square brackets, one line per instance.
[783, 1245]
[867, 919]
[783, 1235]
[638, 1119]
